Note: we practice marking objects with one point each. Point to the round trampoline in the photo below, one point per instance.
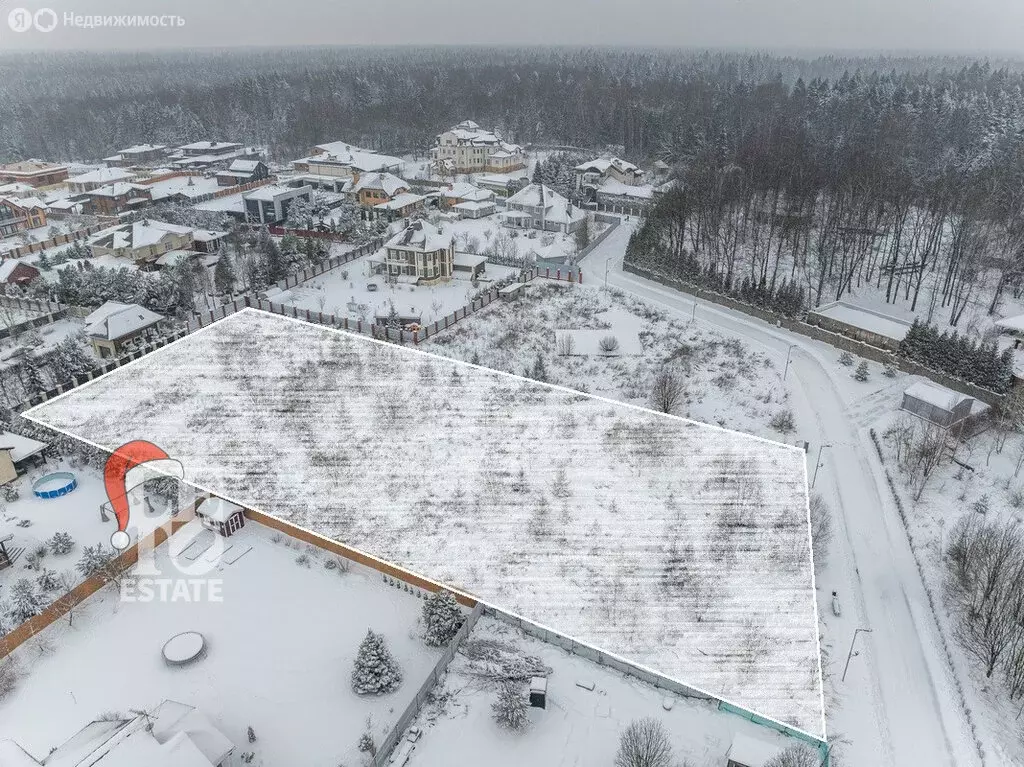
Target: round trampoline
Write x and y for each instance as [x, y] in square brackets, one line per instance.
[183, 648]
[55, 485]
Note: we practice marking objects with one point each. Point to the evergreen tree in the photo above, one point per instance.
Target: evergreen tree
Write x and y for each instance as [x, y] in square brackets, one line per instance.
[275, 265]
[442, 618]
[224, 274]
[375, 672]
[31, 376]
[510, 708]
[25, 602]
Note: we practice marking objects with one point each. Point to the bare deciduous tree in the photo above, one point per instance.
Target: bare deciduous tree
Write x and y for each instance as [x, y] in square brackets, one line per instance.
[821, 529]
[644, 743]
[797, 755]
[667, 391]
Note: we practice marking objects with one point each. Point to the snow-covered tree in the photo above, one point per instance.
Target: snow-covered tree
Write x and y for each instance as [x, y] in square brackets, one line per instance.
[442, 618]
[25, 602]
[797, 755]
[510, 707]
[60, 542]
[644, 743]
[376, 671]
[224, 274]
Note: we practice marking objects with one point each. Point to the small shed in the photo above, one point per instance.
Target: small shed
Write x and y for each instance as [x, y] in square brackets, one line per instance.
[513, 291]
[539, 692]
[221, 516]
[469, 263]
[937, 404]
[17, 453]
[747, 751]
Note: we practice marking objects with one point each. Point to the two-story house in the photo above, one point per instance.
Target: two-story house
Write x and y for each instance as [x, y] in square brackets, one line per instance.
[540, 207]
[136, 155]
[422, 253]
[143, 242]
[269, 204]
[467, 148]
[243, 172]
[87, 182]
[20, 213]
[112, 199]
[35, 173]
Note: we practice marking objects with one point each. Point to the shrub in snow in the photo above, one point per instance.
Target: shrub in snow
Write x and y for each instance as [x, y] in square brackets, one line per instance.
[1016, 497]
[608, 344]
[644, 743]
[34, 560]
[376, 672]
[442, 618]
[797, 755]
[95, 560]
[846, 359]
[48, 580]
[251, 733]
[60, 543]
[302, 559]
[889, 371]
[366, 744]
[981, 505]
[25, 602]
[821, 529]
[862, 372]
[10, 493]
[9, 674]
[783, 421]
[566, 345]
[510, 708]
[667, 392]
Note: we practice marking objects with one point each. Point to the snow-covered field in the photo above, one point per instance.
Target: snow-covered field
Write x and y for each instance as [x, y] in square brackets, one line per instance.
[726, 382]
[578, 726]
[345, 292]
[476, 235]
[274, 662]
[676, 545]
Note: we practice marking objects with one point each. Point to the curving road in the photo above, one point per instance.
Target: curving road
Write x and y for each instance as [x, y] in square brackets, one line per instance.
[898, 704]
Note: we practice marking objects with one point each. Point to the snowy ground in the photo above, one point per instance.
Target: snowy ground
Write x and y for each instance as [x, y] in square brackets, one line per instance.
[578, 726]
[726, 382]
[344, 292]
[275, 663]
[38, 234]
[531, 497]
[475, 235]
[49, 335]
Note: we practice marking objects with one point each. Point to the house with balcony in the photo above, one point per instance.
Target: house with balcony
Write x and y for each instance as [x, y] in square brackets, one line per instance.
[374, 188]
[35, 173]
[18, 214]
[243, 172]
[422, 253]
[467, 148]
[114, 199]
[540, 207]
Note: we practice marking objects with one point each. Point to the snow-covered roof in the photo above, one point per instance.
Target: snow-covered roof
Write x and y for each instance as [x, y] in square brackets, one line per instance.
[21, 448]
[13, 755]
[17, 187]
[115, 320]
[602, 164]
[171, 257]
[401, 201]
[752, 752]
[7, 267]
[388, 183]
[140, 234]
[140, 149]
[119, 189]
[423, 237]
[933, 394]
[468, 132]
[466, 192]
[615, 187]
[243, 166]
[24, 203]
[217, 509]
[205, 146]
[557, 209]
[469, 259]
[207, 235]
[103, 176]
[865, 319]
[496, 179]
[30, 167]
[351, 156]
[274, 191]
[474, 206]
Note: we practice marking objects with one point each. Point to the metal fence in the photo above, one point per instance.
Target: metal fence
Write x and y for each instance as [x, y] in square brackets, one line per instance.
[407, 717]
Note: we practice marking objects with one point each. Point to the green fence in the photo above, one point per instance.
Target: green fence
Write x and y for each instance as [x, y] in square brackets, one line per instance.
[820, 745]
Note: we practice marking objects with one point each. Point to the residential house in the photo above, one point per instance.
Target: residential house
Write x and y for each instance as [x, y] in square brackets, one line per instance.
[207, 241]
[374, 188]
[468, 200]
[339, 159]
[422, 253]
[17, 189]
[136, 155]
[114, 199]
[614, 196]
[211, 148]
[115, 327]
[15, 272]
[467, 148]
[87, 182]
[269, 204]
[212, 154]
[18, 454]
[501, 184]
[143, 242]
[591, 174]
[35, 173]
[19, 214]
[171, 735]
[243, 172]
[402, 205]
[539, 207]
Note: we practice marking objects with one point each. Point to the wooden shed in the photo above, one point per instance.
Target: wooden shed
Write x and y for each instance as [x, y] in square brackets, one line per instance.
[221, 516]
[937, 404]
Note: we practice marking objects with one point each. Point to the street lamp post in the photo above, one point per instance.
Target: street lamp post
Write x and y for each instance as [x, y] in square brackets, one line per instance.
[850, 654]
[789, 354]
[607, 262]
[817, 464]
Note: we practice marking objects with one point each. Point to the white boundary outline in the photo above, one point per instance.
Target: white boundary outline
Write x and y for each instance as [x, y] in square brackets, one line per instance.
[31, 414]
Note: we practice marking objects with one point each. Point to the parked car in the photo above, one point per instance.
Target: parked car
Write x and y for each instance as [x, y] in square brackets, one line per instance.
[371, 286]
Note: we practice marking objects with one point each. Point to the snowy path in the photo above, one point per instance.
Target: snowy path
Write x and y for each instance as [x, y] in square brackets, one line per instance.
[897, 705]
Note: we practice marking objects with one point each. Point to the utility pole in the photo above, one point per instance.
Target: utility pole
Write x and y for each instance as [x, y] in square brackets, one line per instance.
[850, 654]
[607, 262]
[789, 354]
[817, 463]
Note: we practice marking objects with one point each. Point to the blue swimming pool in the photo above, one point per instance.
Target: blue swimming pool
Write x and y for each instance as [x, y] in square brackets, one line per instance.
[55, 485]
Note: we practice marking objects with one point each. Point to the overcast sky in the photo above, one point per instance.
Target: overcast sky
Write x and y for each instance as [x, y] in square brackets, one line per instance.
[985, 26]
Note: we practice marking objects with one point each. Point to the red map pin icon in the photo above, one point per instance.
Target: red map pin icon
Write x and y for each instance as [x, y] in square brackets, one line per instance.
[115, 473]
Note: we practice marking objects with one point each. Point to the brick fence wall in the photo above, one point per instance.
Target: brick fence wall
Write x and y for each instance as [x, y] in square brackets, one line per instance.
[818, 333]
